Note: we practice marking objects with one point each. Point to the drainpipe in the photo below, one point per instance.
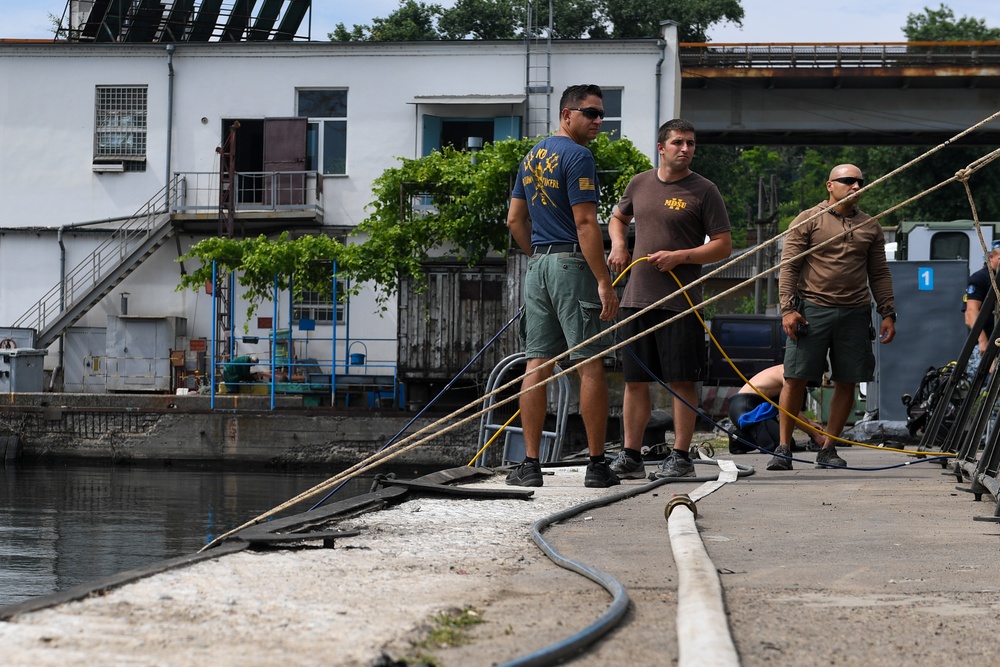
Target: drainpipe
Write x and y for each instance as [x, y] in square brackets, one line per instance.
[62, 306]
[170, 113]
[662, 45]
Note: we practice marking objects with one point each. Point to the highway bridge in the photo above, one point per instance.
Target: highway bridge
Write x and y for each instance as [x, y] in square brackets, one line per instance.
[894, 93]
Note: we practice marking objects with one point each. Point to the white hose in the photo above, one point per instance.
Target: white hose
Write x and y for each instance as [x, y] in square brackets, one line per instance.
[703, 636]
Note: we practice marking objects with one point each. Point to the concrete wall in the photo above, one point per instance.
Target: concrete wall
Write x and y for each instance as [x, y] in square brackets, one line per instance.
[48, 109]
[125, 428]
[47, 138]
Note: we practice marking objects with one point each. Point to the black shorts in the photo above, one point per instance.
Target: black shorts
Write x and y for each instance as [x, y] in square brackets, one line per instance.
[673, 353]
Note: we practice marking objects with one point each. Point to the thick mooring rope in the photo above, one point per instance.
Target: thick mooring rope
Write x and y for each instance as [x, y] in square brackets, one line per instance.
[445, 425]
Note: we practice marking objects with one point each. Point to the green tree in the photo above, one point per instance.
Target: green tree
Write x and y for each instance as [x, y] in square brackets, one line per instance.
[940, 25]
[573, 19]
[800, 173]
[948, 203]
[449, 202]
[466, 199]
[641, 18]
[721, 165]
[258, 262]
[483, 19]
[412, 22]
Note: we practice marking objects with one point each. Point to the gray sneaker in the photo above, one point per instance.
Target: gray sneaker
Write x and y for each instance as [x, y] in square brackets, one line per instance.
[782, 459]
[625, 467]
[675, 466]
[827, 458]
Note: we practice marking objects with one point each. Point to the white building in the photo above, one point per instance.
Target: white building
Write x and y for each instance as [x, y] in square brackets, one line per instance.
[92, 133]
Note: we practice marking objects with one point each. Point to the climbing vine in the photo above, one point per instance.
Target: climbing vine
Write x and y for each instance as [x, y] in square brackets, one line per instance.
[450, 203]
[305, 262]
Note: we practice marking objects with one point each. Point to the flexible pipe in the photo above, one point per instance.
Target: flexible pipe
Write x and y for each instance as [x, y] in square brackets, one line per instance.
[703, 636]
[611, 616]
[661, 44]
[170, 114]
[62, 307]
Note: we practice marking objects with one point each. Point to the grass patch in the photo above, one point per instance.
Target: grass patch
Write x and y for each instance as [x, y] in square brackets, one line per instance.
[449, 628]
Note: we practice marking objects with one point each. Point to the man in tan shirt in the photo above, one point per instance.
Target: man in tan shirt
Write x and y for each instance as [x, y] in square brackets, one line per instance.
[825, 298]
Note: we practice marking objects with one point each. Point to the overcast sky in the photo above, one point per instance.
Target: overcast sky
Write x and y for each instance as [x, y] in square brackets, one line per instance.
[764, 21]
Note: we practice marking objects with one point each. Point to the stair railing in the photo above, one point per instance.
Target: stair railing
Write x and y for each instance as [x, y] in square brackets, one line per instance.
[106, 257]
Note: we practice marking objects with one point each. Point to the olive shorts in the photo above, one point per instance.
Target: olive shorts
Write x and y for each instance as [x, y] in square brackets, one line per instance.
[562, 308]
[845, 333]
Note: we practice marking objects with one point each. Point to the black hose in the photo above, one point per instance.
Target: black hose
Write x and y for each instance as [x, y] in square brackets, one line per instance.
[921, 458]
[611, 616]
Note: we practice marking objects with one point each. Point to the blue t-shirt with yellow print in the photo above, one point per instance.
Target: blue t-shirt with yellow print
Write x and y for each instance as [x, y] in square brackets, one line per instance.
[556, 174]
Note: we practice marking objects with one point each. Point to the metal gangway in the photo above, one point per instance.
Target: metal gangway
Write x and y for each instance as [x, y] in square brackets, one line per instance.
[496, 416]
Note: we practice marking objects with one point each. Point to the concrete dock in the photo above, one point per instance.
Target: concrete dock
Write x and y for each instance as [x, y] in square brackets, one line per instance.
[818, 567]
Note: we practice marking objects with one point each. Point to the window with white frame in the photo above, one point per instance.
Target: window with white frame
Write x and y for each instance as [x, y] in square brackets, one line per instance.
[310, 305]
[120, 127]
[612, 112]
[326, 148]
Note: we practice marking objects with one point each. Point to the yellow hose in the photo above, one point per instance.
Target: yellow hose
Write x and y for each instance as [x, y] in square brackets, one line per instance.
[733, 366]
[761, 394]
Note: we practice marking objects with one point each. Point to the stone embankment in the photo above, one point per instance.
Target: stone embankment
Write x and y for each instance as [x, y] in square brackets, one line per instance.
[240, 430]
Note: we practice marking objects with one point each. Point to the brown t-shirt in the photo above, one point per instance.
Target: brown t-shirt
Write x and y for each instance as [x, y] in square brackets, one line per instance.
[669, 216]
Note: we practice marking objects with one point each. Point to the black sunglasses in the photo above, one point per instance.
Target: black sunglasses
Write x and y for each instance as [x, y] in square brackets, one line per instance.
[589, 112]
[850, 180]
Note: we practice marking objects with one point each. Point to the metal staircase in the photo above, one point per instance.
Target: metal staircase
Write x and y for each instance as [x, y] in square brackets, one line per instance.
[108, 265]
[538, 71]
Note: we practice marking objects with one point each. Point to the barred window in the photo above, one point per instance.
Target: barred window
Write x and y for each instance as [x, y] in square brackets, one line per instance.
[312, 306]
[120, 126]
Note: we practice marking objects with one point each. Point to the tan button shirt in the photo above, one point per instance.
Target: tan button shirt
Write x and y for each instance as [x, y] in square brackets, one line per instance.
[840, 273]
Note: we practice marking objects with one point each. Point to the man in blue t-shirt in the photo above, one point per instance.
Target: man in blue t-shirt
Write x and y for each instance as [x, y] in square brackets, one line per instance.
[978, 287]
[568, 295]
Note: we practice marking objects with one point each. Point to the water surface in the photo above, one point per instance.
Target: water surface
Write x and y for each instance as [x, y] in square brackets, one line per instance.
[63, 525]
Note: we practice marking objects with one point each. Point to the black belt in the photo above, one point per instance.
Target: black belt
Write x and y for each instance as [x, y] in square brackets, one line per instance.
[556, 247]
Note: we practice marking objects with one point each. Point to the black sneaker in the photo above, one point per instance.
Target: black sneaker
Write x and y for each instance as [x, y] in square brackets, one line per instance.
[827, 458]
[528, 473]
[600, 476]
[782, 459]
[625, 467]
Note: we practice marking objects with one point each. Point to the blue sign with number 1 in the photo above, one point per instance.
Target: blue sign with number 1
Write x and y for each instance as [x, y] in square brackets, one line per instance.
[925, 278]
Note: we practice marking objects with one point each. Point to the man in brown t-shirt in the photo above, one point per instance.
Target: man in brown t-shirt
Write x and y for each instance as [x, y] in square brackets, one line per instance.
[674, 210]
